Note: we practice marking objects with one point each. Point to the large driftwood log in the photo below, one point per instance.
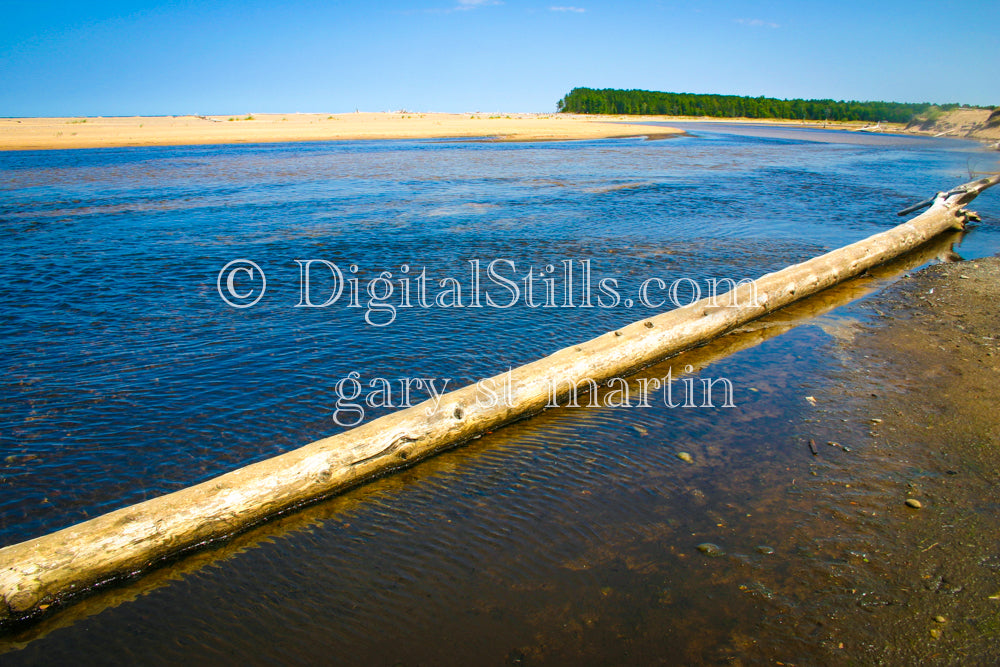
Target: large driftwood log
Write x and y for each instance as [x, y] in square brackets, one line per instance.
[742, 338]
[54, 567]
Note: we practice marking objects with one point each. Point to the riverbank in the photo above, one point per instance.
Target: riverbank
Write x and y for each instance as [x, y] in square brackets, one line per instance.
[979, 124]
[906, 479]
[962, 123]
[61, 133]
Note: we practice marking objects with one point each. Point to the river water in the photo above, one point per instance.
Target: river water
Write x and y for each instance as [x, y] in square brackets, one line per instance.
[567, 538]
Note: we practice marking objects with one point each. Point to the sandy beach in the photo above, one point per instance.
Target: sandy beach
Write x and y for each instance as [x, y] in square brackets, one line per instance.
[56, 133]
[100, 132]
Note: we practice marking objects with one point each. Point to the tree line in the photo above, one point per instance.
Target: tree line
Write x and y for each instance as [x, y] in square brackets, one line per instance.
[646, 102]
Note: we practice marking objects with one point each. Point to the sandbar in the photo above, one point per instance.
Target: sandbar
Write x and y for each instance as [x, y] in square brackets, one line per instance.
[99, 132]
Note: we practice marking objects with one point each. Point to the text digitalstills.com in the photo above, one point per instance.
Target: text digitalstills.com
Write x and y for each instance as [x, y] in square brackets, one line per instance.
[499, 283]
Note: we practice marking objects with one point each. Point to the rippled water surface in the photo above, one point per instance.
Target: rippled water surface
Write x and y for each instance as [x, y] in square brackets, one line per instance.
[565, 537]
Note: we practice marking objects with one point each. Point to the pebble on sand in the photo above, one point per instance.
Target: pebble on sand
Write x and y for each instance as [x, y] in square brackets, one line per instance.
[914, 503]
[709, 549]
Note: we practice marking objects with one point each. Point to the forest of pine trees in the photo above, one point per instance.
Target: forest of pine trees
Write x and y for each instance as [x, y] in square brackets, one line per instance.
[645, 102]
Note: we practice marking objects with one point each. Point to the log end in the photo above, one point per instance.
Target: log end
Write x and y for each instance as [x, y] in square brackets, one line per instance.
[969, 216]
[963, 217]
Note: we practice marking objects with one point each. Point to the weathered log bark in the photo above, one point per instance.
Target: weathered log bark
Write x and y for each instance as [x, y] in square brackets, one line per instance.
[54, 567]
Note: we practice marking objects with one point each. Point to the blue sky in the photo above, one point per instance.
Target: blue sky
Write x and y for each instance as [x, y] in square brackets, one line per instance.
[227, 57]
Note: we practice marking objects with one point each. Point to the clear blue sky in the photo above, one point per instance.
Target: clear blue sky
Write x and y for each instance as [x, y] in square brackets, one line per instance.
[224, 56]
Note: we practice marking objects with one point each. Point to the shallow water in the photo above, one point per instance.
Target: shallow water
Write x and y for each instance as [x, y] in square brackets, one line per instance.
[565, 538]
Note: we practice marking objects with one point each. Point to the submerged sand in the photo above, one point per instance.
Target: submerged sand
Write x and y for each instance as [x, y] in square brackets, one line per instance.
[54, 133]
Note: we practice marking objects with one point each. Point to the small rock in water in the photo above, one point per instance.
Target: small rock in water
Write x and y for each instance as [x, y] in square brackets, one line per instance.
[515, 657]
[940, 619]
[20, 458]
[684, 456]
[758, 590]
[712, 550]
[764, 549]
[914, 503]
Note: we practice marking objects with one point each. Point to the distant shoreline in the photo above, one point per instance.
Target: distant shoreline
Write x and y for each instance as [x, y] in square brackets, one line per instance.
[131, 131]
[968, 124]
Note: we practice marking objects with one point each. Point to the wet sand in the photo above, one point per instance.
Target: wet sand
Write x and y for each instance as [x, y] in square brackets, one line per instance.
[907, 569]
[55, 133]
